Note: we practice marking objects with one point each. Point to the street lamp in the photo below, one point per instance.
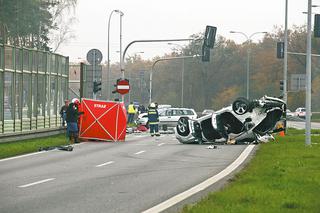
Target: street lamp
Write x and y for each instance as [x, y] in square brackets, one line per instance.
[182, 73]
[308, 77]
[108, 51]
[164, 59]
[248, 55]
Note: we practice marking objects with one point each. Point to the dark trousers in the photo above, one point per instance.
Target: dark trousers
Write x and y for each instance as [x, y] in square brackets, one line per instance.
[154, 129]
[130, 118]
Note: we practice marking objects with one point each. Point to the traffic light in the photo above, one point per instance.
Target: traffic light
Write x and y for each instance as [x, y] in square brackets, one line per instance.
[316, 28]
[96, 86]
[281, 86]
[280, 49]
[205, 53]
[208, 42]
[210, 36]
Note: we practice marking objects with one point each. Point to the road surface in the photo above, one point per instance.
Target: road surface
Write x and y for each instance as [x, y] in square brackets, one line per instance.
[131, 176]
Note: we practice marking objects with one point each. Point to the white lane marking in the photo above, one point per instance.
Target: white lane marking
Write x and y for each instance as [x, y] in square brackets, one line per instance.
[160, 144]
[138, 153]
[182, 196]
[21, 156]
[35, 183]
[104, 164]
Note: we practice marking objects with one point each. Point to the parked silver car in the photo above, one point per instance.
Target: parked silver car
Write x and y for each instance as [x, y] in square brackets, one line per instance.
[169, 117]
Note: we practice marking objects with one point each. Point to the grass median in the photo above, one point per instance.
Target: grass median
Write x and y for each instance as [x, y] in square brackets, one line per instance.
[284, 176]
[11, 149]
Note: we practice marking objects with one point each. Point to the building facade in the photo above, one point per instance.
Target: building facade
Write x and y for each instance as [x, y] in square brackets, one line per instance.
[33, 87]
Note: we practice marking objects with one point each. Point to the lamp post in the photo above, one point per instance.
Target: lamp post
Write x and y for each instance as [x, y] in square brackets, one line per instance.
[248, 40]
[285, 57]
[108, 51]
[164, 59]
[308, 78]
[182, 73]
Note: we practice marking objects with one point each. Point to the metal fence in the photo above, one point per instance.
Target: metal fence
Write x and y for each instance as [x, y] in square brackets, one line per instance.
[33, 87]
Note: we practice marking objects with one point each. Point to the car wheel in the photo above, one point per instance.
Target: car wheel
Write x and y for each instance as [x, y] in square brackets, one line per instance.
[183, 126]
[240, 106]
[164, 127]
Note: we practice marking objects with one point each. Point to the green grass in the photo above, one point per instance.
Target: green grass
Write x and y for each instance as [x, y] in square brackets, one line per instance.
[31, 145]
[284, 176]
[315, 117]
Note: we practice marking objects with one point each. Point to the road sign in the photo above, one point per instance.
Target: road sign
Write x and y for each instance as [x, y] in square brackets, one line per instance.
[94, 56]
[123, 86]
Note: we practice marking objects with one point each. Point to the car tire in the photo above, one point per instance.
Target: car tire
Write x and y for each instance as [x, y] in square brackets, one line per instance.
[241, 106]
[183, 126]
[164, 127]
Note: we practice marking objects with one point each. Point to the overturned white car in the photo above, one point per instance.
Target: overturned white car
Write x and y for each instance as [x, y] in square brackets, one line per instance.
[243, 121]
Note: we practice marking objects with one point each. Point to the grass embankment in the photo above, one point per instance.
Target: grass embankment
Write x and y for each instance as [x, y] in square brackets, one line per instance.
[315, 117]
[31, 145]
[284, 176]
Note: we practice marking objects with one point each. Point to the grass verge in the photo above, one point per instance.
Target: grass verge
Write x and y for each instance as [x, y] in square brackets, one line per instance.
[31, 145]
[284, 176]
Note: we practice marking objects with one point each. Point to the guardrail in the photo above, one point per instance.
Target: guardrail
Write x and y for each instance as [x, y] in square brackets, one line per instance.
[16, 136]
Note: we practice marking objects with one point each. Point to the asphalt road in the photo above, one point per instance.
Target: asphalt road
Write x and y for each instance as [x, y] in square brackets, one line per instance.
[130, 176]
[302, 125]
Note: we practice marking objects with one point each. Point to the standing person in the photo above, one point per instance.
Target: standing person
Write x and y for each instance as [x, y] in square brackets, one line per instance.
[153, 119]
[141, 109]
[63, 112]
[72, 120]
[131, 113]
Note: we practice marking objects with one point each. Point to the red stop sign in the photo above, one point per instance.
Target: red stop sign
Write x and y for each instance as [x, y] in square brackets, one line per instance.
[123, 86]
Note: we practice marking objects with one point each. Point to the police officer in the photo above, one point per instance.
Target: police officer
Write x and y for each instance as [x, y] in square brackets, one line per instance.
[153, 119]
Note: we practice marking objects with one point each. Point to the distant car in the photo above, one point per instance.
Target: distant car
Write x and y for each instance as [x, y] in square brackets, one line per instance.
[300, 112]
[169, 117]
[289, 113]
[207, 112]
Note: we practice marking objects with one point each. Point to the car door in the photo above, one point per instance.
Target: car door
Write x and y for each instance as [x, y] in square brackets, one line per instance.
[170, 117]
[176, 114]
[165, 116]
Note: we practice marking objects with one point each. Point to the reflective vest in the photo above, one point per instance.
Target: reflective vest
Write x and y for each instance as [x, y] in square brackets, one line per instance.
[153, 116]
[131, 109]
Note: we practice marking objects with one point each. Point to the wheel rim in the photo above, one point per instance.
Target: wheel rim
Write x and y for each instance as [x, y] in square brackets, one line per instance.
[240, 108]
[182, 125]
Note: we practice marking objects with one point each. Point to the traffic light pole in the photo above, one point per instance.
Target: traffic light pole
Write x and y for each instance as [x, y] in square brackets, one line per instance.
[308, 78]
[94, 74]
[285, 61]
[122, 66]
[164, 59]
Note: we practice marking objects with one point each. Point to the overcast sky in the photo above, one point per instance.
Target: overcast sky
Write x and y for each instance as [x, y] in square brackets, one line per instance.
[173, 19]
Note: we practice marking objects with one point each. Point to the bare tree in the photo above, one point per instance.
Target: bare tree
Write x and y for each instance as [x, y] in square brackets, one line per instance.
[63, 22]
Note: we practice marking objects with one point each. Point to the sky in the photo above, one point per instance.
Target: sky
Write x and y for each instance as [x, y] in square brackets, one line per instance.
[172, 19]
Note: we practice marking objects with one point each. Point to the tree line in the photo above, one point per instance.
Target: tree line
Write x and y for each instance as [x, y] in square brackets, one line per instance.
[219, 82]
[36, 23]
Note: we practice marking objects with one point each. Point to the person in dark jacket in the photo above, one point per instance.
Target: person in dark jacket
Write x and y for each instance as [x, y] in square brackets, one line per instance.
[153, 120]
[72, 120]
[63, 112]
